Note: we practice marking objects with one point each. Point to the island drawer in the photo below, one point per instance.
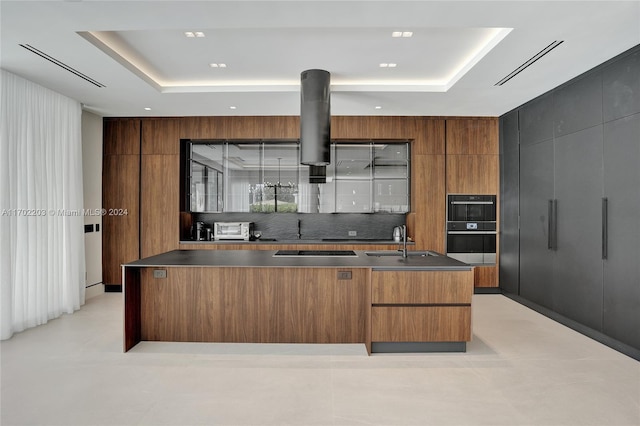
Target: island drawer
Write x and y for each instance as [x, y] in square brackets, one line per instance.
[421, 323]
[421, 287]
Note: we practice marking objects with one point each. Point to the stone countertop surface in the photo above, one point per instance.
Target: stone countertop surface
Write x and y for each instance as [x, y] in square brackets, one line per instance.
[275, 241]
[268, 259]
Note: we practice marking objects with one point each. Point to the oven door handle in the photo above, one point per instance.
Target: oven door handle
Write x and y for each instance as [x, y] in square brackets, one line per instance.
[473, 202]
[473, 232]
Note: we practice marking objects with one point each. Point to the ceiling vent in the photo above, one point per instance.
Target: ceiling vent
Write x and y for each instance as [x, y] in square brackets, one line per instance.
[315, 118]
[62, 65]
[530, 62]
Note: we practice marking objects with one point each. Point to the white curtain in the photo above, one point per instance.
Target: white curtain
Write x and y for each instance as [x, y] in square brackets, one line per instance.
[42, 270]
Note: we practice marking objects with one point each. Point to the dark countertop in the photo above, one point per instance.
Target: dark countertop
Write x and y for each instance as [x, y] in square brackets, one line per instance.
[274, 241]
[266, 259]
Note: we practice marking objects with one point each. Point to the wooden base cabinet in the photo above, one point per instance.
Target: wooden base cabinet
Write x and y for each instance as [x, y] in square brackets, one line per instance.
[297, 305]
[259, 305]
[412, 306]
[420, 323]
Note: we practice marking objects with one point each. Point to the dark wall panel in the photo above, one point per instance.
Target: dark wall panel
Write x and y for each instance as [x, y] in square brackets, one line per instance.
[509, 203]
[622, 268]
[536, 120]
[621, 88]
[579, 143]
[578, 262]
[536, 189]
[578, 105]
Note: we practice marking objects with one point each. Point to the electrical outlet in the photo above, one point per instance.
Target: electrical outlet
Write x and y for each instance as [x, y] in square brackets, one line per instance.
[344, 275]
[159, 273]
[353, 233]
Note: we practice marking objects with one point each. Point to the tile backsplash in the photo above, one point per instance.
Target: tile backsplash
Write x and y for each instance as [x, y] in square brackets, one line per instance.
[312, 226]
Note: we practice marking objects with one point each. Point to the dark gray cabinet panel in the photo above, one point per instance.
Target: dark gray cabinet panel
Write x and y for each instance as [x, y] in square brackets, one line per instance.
[536, 189]
[509, 203]
[578, 105]
[578, 143]
[536, 120]
[577, 292]
[622, 267]
[621, 88]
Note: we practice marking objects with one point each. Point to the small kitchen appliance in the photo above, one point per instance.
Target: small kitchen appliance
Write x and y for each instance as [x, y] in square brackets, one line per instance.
[233, 231]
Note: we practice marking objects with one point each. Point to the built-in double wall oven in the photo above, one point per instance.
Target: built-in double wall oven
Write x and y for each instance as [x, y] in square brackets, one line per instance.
[471, 228]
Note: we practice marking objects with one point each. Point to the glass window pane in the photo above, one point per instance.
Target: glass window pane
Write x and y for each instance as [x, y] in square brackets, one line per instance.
[390, 160]
[280, 165]
[353, 196]
[391, 195]
[243, 183]
[353, 161]
[206, 165]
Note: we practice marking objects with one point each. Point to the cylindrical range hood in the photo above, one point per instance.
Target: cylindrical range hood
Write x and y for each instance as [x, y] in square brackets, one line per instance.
[315, 118]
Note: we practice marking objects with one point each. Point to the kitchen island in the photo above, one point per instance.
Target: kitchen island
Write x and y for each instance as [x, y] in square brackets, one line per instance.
[387, 302]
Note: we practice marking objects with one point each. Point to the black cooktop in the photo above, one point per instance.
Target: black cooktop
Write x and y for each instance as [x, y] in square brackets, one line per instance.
[317, 253]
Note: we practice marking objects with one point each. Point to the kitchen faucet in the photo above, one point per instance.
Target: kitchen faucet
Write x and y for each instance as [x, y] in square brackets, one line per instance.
[404, 241]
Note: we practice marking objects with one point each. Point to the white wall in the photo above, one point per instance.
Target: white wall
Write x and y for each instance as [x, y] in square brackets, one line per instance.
[92, 183]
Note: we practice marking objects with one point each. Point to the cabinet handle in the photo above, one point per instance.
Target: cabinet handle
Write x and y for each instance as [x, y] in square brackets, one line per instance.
[605, 228]
[550, 225]
[555, 224]
[552, 239]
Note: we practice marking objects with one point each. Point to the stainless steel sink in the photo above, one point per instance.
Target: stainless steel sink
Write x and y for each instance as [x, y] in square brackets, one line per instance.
[410, 253]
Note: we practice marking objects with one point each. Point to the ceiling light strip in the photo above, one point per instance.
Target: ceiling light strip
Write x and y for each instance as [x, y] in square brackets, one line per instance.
[62, 65]
[530, 62]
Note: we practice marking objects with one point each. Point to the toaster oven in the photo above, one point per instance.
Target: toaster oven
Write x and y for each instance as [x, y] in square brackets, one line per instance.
[233, 231]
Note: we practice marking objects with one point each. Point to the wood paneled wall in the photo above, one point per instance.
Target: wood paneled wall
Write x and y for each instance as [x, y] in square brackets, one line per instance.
[160, 186]
[448, 155]
[121, 190]
[473, 167]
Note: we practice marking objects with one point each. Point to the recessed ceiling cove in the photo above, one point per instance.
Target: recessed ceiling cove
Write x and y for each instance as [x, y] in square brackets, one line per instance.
[243, 60]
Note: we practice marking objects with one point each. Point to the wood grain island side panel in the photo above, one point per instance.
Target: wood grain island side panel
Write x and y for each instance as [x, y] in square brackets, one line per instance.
[259, 305]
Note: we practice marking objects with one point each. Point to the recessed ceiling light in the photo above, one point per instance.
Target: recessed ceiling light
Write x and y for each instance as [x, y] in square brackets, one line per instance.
[147, 109]
[388, 65]
[392, 65]
[214, 65]
[200, 34]
[193, 34]
[378, 107]
[232, 107]
[402, 34]
[384, 65]
[189, 34]
[222, 65]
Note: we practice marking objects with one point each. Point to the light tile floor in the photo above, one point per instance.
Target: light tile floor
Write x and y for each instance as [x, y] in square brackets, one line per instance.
[520, 369]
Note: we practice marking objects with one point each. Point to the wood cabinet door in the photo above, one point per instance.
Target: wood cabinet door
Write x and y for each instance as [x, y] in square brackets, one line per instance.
[472, 136]
[420, 323]
[420, 287]
[120, 230]
[473, 174]
[161, 136]
[121, 136]
[160, 204]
